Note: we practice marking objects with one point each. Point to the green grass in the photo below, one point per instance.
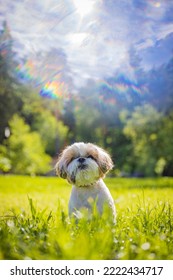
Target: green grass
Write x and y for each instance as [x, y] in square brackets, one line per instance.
[34, 221]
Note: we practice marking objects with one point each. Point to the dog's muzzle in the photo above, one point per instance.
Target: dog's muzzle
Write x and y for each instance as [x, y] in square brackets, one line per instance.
[82, 165]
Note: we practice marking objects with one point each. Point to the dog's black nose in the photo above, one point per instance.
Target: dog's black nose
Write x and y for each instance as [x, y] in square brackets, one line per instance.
[81, 159]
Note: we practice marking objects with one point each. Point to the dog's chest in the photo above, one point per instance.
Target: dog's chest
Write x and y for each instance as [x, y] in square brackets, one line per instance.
[87, 197]
[84, 197]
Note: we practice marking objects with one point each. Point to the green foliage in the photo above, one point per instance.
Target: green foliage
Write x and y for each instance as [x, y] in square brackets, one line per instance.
[5, 163]
[87, 120]
[52, 131]
[24, 149]
[148, 130]
[9, 101]
[45, 121]
[165, 136]
[38, 227]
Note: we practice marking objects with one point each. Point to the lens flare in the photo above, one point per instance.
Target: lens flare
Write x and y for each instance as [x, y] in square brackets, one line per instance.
[49, 85]
[118, 89]
[25, 71]
[54, 90]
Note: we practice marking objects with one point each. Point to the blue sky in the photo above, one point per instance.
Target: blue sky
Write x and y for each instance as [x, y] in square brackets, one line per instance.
[92, 37]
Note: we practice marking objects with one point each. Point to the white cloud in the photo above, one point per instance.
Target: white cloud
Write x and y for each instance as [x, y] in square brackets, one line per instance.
[165, 30]
[145, 44]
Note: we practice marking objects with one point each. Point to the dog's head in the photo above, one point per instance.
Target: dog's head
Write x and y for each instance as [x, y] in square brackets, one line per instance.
[83, 164]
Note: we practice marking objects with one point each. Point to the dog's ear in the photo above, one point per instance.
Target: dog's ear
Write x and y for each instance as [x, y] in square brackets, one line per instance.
[104, 161]
[60, 168]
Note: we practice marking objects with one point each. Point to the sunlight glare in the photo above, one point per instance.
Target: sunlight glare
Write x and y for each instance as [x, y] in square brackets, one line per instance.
[84, 7]
[77, 38]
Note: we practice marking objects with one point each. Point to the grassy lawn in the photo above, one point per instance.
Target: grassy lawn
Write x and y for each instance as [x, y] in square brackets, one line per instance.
[34, 221]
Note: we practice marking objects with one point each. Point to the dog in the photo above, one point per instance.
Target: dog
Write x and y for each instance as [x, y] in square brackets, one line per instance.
[84, 165]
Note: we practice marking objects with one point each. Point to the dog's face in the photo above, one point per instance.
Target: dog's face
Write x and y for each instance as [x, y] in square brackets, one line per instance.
[83, 164]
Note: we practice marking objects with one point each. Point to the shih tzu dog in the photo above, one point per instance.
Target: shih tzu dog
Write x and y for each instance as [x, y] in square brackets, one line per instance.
[84, 165]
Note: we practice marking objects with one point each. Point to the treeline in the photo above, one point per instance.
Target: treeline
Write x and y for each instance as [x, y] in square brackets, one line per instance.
[132, 120]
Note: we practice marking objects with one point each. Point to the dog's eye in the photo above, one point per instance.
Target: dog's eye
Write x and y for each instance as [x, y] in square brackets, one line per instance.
[90, 156]
[71, 160]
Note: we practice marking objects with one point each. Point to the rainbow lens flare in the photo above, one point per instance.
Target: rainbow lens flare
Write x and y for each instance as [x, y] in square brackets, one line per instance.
[25, 72]
[54, 90]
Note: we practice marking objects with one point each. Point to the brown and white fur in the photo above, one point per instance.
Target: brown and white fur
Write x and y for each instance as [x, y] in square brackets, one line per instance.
[85, 165]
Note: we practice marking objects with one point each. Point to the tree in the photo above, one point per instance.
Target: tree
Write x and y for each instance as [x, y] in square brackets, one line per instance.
[43, 116]
[165, 136]
[143, 129]
[68, 118]
[24, 150]
[52, 131]
[9, 101]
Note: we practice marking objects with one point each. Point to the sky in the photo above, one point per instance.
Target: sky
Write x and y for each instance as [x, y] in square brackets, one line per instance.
[72, 41]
